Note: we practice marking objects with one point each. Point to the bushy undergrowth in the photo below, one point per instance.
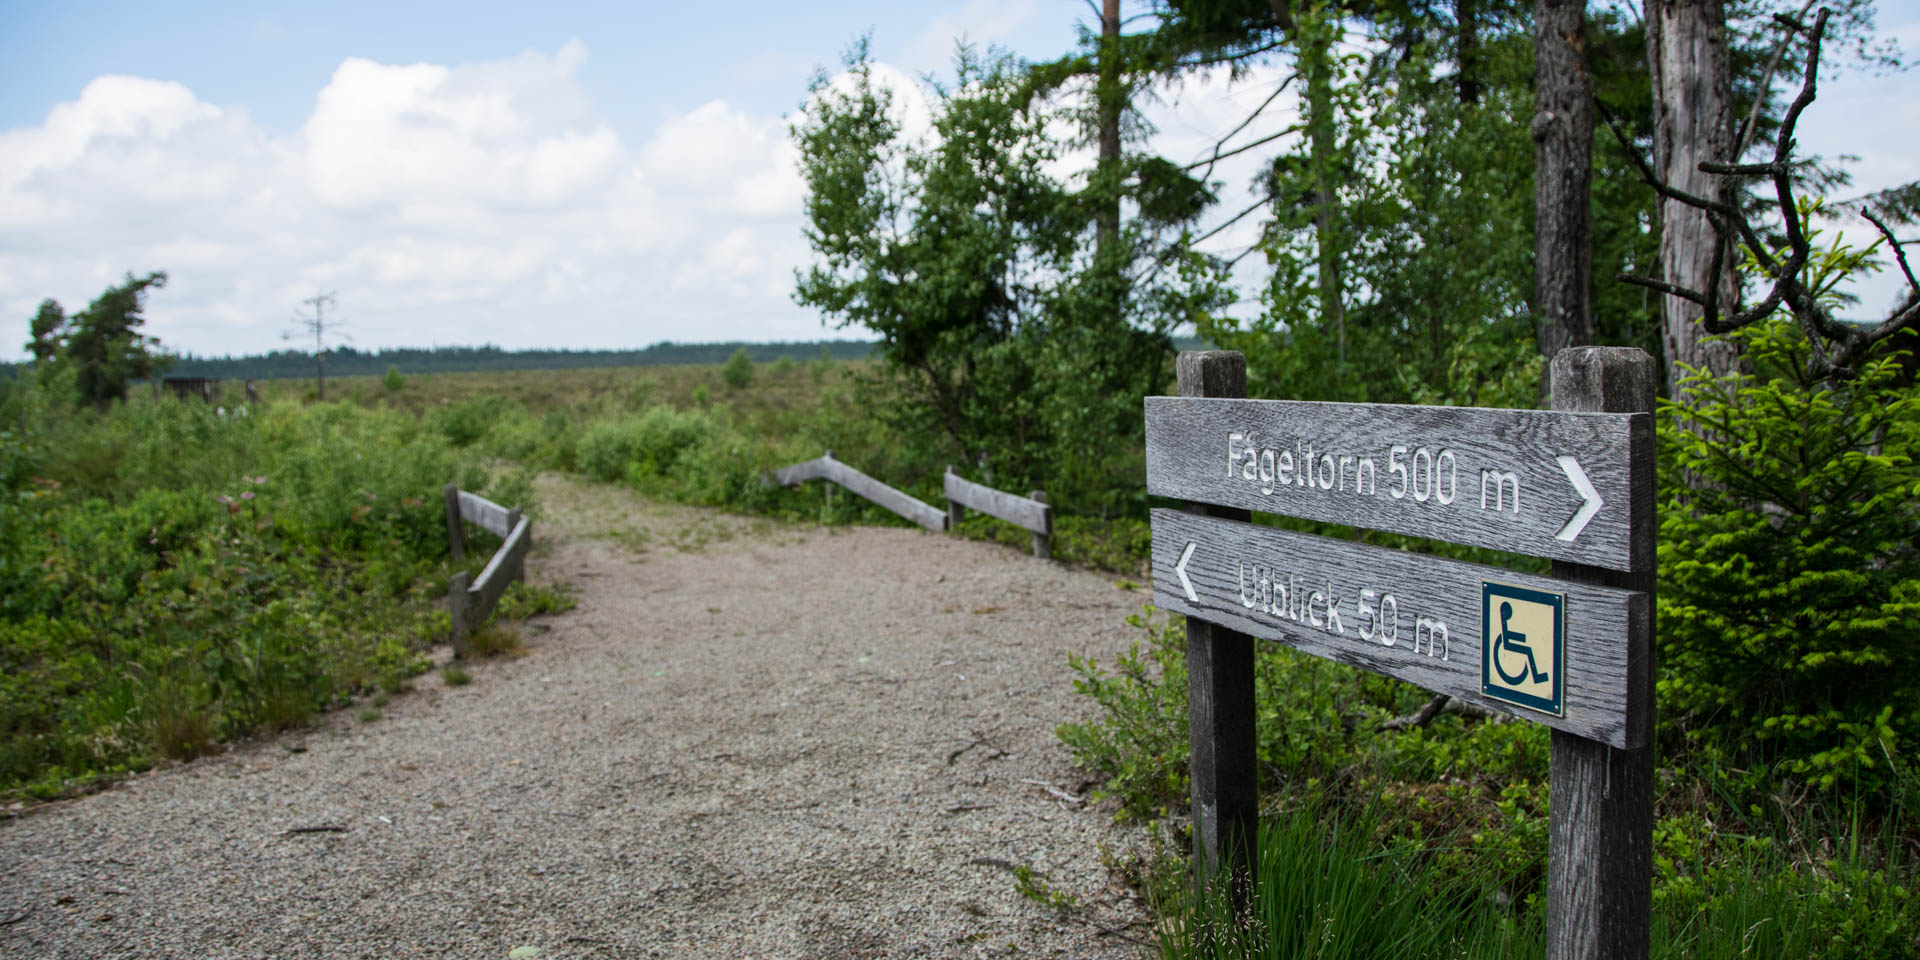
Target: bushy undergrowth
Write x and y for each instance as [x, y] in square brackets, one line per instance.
[1790, 572]
[171, 577]
[1454, 816]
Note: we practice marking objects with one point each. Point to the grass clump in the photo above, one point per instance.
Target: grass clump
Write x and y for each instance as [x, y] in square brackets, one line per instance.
[453, 676]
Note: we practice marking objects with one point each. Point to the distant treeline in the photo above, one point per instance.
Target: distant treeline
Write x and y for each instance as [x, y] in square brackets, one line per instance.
[348, 362]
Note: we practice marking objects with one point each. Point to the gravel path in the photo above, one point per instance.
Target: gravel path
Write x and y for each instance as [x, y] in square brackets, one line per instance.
[749, 740]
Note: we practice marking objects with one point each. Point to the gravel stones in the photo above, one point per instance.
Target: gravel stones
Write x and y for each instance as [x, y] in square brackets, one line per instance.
[776, 742]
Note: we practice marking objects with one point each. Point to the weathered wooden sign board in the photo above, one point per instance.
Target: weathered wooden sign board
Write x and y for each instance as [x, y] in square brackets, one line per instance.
[1419, 618]
[1570, 651]
[1548, 484]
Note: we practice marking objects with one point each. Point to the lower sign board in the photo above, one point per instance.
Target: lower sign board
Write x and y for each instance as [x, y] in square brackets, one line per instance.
[1552, 651]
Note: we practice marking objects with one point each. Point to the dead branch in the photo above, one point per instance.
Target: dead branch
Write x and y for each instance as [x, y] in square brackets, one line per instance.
[319, 828]
[1420, 717]
[1836, 347]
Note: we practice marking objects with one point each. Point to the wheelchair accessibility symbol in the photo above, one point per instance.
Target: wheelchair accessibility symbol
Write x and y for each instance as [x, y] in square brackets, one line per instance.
[1523, 647]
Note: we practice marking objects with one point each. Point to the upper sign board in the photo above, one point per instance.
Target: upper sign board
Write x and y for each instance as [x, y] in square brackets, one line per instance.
[1544, 483]
[1557, 652]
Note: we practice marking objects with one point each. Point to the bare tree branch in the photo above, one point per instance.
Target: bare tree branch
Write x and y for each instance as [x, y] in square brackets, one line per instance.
[1836, 347]
[1899, 252]
[1264, 104]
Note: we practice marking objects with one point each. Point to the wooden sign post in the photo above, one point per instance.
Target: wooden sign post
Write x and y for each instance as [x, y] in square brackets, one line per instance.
[1572, 651]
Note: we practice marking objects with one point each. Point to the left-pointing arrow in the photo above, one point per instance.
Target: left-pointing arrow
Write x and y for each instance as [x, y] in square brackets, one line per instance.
[1181, 569]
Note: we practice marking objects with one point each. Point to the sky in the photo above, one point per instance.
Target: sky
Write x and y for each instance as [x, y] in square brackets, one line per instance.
[528, 175]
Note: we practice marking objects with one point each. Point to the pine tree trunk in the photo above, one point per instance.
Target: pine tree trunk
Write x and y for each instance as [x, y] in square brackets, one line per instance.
[1110, 101]
[1563, 175]
[1316, 61]
[1692, 122]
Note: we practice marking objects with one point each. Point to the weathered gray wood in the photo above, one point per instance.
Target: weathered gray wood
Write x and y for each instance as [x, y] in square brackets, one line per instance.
[1490, 478]
[485, 514]
[457, 609]
[955, 511]
[507, 565]
[1274, 584]
[1043, 540]
[1600, 825]
[814, 469]
[1022, 512]
[1222, 756]
[456, 534]
[827, 468]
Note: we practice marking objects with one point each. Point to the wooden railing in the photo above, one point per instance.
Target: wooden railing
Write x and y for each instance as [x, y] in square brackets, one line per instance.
[1031, 512]
[470, 599]
[827, 468]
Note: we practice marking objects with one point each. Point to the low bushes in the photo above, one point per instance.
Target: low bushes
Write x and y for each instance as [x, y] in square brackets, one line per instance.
[173, 577]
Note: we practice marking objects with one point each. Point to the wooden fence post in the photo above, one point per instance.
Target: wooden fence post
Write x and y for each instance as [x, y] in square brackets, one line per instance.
[955, 512]
[456, 537]
[1042, 542]
[1220, 703]
[1600, 845]
[457, 609]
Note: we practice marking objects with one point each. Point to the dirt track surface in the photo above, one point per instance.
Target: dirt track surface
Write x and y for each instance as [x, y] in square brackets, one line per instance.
[749, 740]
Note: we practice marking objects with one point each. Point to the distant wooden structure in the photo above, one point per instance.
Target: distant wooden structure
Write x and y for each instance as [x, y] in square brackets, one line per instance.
[205, 388]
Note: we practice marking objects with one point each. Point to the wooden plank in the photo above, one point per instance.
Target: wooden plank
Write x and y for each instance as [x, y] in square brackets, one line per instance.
[1600, 823]
[484, 513]
[1406, 615]
[1019, 511]
[1506, 479]
[814, 469]
[1222, 754]
[507, 565]
[827, 468]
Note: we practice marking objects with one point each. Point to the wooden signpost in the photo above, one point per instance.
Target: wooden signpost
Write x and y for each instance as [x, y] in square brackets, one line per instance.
[1572, 651]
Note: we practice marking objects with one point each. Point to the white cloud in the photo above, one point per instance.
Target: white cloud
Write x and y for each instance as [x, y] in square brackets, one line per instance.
[462, 204]
[981, 23]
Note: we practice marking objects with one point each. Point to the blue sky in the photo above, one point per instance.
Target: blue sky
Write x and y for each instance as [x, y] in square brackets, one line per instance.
[579, 175]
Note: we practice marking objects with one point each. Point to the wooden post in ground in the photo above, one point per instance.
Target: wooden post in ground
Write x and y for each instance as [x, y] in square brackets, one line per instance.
[1600, 843]
[456, 537]
[1042, 542]
[955, 512]
[457, 610]
[1220, 703]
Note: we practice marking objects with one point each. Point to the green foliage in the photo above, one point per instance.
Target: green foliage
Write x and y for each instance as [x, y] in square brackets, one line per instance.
[453, 676]
[1790, 581]
[393, 381]
[1329, 890]
[102, 345]
[171, 578]
[1015, 339]
[737, 372]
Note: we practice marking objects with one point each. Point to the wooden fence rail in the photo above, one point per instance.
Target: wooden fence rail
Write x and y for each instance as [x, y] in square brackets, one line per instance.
[470, 599]
[1030, 512]
[827, 468]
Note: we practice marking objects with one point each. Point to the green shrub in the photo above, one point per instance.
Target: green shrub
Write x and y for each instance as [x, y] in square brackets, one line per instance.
[463, 422]
[232, 574]
[393, 381]
[737, 373]
[1789, 573]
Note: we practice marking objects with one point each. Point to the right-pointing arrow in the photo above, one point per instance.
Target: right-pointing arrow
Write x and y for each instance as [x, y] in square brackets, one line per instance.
[1181, 569]
[1578, 478]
